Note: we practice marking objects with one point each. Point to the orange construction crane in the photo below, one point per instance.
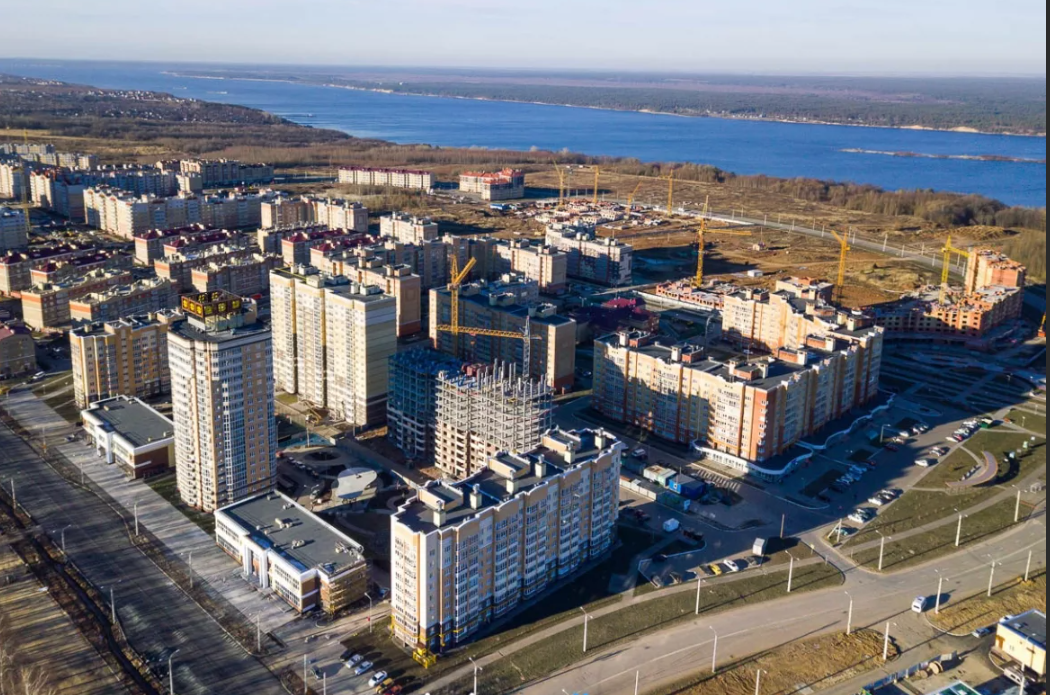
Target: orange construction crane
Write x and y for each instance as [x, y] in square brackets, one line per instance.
[949, 250]
[840, 283]
[456, 329]
[1042, 327]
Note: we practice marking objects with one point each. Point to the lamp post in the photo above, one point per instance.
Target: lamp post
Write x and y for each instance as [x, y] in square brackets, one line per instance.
[171, 672]
[991, 578]
[886, 643]
[940, 592]
[477, 669]
[791, 571]
[699, 583]
[1017, 508]
[1028, 567]
[958, 530]
[849, 616]
[882, 548]
[758, 681]
[586, 620]
[136, 508]
[714, 653]
[62, 534]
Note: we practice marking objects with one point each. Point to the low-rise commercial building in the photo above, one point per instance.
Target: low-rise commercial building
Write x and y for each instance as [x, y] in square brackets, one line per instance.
[127, 432]
[507, 184]
[603, 260]
[127, 357]
[465, 554]
[17, 351]
[1021, 641]
[283, 548]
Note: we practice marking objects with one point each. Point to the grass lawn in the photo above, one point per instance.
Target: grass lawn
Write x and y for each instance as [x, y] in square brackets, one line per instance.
[951, 469]
[565, 648]
[941, 541]
[917, 508]
[979, 611]
[813, 664]
[1030, 421]
[165, 486]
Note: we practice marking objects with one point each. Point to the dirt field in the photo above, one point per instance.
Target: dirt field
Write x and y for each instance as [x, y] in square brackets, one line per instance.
[818, 663]
[36, 634]
[980, 611]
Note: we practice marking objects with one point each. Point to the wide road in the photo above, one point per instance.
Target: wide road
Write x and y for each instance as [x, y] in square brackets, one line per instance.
[156, 615]
[665, 658]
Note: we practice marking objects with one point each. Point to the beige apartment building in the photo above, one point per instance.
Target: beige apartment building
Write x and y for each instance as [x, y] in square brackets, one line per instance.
[241, 275]
[507, 184]
[17, 351]
[285, 212]
[464, 554]
[395, 178]
[13, 229]
[408, 229]
[507, 305]
[140, 297]
[126, 357]
[16, 266]
[332, 341]
[221, 365]
[743, 412]
[178, 267]
[546, 265]
[603, 260]
[398, 281]
[47, 307]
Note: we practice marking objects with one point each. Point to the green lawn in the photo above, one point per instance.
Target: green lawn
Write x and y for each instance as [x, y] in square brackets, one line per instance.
[566, 648]
[165, 486]
[941, 541]
[1030, 421]
[917, 508]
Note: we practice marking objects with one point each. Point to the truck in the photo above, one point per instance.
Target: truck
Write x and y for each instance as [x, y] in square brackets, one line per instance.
[659, 475]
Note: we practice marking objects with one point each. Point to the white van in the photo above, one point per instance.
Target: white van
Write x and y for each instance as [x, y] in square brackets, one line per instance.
[919, 605]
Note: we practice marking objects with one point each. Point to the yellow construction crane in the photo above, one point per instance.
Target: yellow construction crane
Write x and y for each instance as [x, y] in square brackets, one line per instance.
[947, 266]
[840, 283]
[561, 184]
[26, 205]
[698, 281]
[630, 198]
[670, 194]
[456, 329]
[597, 177]
[1042, 327]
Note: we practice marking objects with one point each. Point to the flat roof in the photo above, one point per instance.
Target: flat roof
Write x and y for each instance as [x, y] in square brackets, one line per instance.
[301, 538]
[133, 420]
[1030, 625]
[956, 688]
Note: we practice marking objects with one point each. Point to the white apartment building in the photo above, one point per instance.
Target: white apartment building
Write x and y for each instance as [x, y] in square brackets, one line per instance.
[395, 178]
[467, 553]
[333, 339]
[408, 229]
[13, 234]
[221, 366]
[596, 259]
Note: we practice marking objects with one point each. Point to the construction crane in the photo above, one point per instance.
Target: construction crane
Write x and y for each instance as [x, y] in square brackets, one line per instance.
[949, 250]
[670, 194]
[630, 198]
[840, 283]
[1042, 327]
[456, 329]
[561, 184]
[597, 177]
[26, 205]
[702, 232]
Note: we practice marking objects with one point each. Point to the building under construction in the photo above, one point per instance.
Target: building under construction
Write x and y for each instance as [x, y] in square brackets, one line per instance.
[485, 410]
[412, 404]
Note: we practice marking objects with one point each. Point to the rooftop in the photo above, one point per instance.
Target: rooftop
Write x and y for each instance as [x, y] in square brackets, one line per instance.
[1030, 625]
[133, 420]
[275, 521]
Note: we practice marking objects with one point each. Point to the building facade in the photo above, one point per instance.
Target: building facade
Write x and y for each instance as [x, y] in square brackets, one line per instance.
[603, 260]
[408, 229]
[467, 553]
[549, 267]
[17, 351]
[14, 233]
[412, 406]
[221, 364]
[394, 178]
[131, 435]
[141, 297]
[507, 184]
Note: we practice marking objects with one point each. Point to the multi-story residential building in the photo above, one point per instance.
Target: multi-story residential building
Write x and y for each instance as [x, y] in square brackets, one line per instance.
[740, 413]
[394, 178]
[408, 229]
[284, 548]
[332, 341]
[295, 248]
[467, 553]
[13, 231]
[398, 281]
[340, 214]
[508, 184]
[128, 215]
[482, 250]
[232, 210]
[269, 239]
[507, 305]
[224, 172]
[16, 266]
[284, 212]
[131, 435]
[17, 351]
[221, 364]
[178, 267]
[596, 259]
[412, 406]
[47, 307]
[127, 357]
[546, 265]
[60, 191]
[157, 243]
[484, 410]
[46, 154]
[987, 268]
[146, 296]
[241, 275]
[14, 180]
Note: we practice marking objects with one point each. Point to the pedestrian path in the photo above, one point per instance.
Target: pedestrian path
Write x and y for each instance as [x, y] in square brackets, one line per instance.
[182, 537]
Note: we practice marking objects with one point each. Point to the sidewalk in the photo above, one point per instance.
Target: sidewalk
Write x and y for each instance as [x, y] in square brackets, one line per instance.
[181, 536]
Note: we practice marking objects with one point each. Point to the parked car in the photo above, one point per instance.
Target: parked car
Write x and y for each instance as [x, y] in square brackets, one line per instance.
[733, 566]
[925, 463]
[377, 679]
[858, 518]
[877, 501]
[716, 569]
[355, 660]
[982, 632]
[891, 447]
[363, 668]
[919, 604]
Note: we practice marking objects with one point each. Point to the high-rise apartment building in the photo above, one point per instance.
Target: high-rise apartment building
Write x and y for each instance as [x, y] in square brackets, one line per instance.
[507, 305]
[412, 406]
[223, 401]
[484, 410]
[13, 233]
[398, 281]
[546, 265]
[333, 339]
[408, 229]
[127, 357]
[740, 413]
[465, 554]
[603, 260]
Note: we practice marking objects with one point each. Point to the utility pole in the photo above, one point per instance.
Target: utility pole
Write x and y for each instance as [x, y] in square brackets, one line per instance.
[849, 616]
[306, 687]
[1028, 567]
[991, 579]
[637, 681]
[112, 606]
[586, 618]
[791, 571]
[958, 531]
[886, 645]
[699, 582]
[1017, 509]
[940, 591]
[136, 508]
[882, 549]
[758, 681]
[714, 654]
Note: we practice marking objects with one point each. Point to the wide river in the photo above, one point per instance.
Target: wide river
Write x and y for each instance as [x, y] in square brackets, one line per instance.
[838, 153]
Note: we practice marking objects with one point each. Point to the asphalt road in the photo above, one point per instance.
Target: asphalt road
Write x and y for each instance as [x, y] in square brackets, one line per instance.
[156, 615]
[664, 658]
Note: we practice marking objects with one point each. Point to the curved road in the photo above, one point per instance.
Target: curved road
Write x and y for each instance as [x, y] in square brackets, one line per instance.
[664, 658]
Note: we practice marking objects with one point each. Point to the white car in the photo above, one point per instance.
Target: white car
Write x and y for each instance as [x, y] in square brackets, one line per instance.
[877, 501]
[733, 565]
[925, 463]
[377, 679]
[858, 519]
[363, 668]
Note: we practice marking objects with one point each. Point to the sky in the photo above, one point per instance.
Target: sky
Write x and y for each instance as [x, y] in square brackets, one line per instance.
[866, 37]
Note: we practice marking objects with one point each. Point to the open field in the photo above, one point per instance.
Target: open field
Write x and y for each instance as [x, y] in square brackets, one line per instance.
[817, 663]
[979, 611]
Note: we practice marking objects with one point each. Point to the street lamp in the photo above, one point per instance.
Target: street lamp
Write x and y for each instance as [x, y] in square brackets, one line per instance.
[882, 548]
[886, 643]
[758, 681]
[791, 571]
[477, 669]
[586, 620]
[940, 592]
[849, 617]
[369, 597]
[991, 578]
[958, 529]
[714, 653]
[171, 672]
[699, 583]
[62, 535]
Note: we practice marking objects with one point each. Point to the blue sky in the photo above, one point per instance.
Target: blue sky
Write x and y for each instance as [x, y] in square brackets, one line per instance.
[953, 37]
